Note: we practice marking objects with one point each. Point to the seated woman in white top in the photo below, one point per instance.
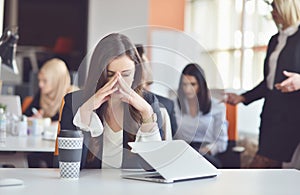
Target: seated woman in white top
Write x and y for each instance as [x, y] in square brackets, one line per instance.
[201, 119]
[113, 109]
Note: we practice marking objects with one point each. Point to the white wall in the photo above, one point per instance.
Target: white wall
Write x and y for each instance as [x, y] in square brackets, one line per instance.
[249, 117]
[106, 16]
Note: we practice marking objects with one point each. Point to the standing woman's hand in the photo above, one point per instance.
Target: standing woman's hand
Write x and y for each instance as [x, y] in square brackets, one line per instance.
[94, 102]
[131, 97]
[292, 83]
[234, 99]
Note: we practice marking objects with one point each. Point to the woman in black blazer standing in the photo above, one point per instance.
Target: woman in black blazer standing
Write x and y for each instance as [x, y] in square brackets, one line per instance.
[112, 109]
[279, 128]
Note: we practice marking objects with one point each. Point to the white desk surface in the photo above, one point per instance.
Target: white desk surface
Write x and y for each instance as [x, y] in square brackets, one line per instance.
[108, 181]
[28, 144]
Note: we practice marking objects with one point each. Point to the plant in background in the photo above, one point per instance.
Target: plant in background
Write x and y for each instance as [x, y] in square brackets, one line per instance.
[3, 106]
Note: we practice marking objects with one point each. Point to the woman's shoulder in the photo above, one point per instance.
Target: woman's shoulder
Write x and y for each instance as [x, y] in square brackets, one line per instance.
[75, 96]
[217, 106]
[76, 93]
[174, 99]
[149, 96]
[73, 88]
[74, 100]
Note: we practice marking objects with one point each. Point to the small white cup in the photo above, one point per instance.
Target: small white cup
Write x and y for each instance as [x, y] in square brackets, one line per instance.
[47, 122]
[22, 128]
[37, 127]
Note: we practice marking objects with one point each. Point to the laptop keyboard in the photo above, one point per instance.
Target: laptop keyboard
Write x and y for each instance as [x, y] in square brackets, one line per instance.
[155, 177]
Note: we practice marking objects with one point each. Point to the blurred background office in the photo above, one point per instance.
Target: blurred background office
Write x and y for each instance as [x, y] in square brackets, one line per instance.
[229, 36]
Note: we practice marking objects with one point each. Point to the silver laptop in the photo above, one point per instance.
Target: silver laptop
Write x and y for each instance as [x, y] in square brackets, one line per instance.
[173, 161]
[13, 104]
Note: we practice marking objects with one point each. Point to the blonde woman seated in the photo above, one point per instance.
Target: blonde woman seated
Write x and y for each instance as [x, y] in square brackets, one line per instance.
[54, 83]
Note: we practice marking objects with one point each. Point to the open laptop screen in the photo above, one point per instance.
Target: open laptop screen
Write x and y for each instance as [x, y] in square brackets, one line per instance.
[12, 103]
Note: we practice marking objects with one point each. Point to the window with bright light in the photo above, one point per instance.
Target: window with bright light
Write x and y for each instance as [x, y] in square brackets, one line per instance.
[235, 34]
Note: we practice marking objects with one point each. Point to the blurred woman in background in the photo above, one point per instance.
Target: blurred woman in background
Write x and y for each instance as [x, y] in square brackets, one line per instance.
[201, 120]
[54, 83]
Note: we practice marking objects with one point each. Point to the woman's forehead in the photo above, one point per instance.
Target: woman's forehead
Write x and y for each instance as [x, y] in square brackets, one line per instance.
[121, 64]
[189, 79]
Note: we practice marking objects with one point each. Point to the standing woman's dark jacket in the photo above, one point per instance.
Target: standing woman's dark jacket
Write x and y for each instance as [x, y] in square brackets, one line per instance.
[280, 124]
[72, 103]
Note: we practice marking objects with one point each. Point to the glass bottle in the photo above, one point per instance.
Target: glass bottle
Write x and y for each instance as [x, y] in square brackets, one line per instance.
[2, 127]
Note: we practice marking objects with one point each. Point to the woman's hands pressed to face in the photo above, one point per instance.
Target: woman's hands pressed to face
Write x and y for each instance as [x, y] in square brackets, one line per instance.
[118, 86]
[120, 74]
[101, 96]
[128, 95]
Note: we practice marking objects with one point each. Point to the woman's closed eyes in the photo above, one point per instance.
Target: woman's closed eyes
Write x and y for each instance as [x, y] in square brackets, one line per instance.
[188, 84]
[125, 73]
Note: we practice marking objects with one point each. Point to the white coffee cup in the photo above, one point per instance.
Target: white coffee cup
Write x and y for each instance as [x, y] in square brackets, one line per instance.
[70, 144]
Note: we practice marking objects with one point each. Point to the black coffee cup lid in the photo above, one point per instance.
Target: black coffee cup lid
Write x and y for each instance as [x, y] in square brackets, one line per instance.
[70, 133]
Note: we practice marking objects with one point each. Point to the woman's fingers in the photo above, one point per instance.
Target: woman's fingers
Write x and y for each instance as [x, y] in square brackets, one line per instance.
[123, 85]
[286, 82]
[104, 100]
[98, 99]
[125, 96]
[106, 90]
[109, 85]
[137, 102]
[103, 97]
[109, 92]
[290, 84]
[128, 95]
[233, 98]
[288, 74]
